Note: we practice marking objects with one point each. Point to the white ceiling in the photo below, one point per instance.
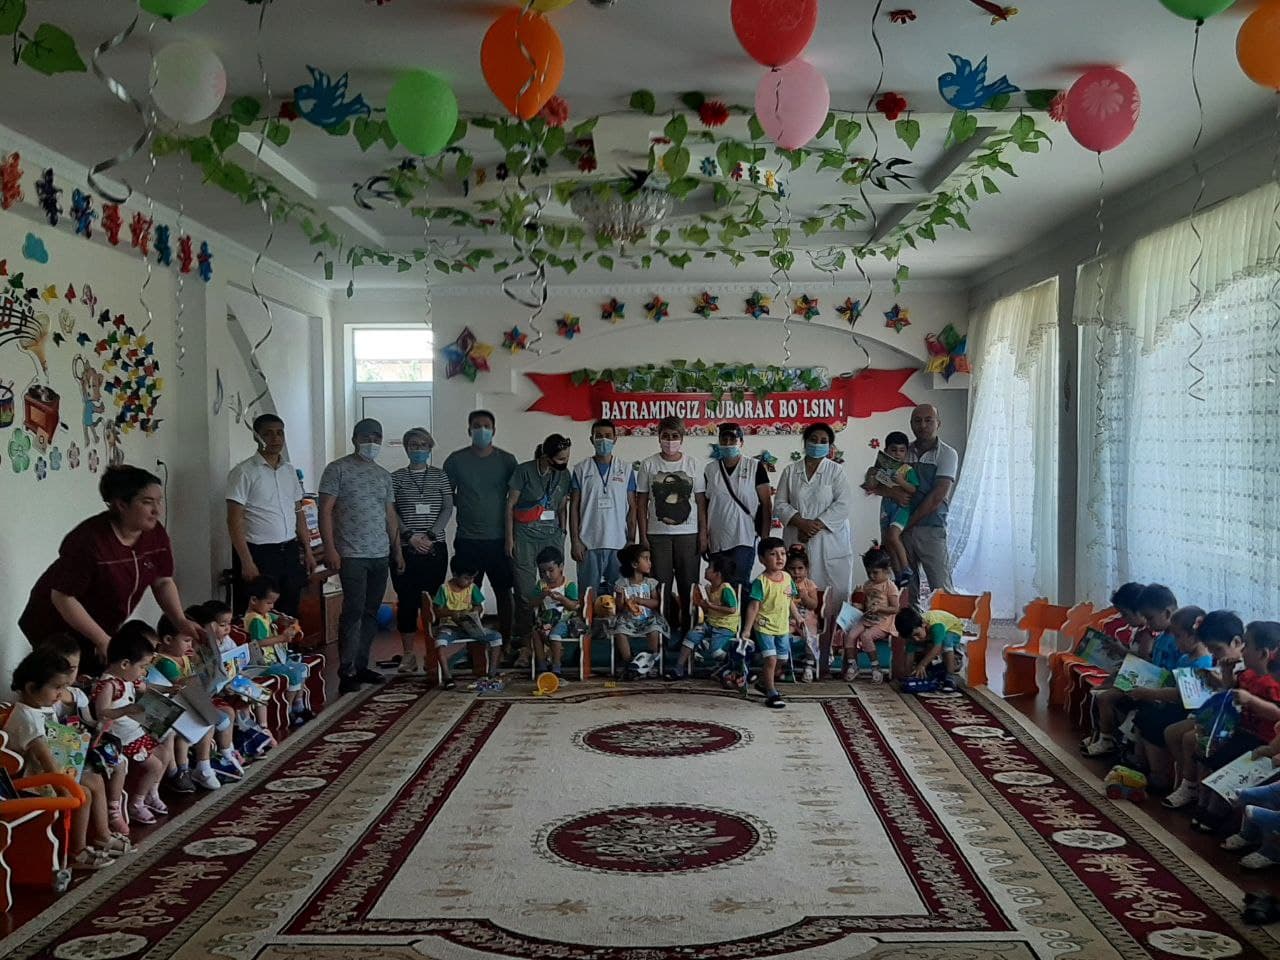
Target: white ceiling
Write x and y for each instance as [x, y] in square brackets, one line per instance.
[668, 46]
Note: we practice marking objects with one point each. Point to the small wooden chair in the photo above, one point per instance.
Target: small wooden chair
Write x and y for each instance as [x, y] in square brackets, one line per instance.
[1020, 660]
[976, 608]
[431, 665]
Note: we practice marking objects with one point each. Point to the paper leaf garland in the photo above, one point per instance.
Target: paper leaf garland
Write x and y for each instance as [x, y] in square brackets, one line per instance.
[466, 356]
[850, 310]
[568, 326]
[947, 352]
[805, 306]
[657, 308]
[897, 318]
[514, 340]
[704, 304]
[758, 305]
[613, 311]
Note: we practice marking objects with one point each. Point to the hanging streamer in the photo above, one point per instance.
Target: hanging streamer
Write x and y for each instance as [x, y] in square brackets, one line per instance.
[875, 157]
[1273, 355]
[146, 183]
[119, 91]
[1194, 390]
[1099, 341]
[179, 331]
[254, 363]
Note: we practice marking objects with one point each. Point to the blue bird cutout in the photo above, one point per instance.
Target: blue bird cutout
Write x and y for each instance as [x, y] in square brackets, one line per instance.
[324, 101]
[967, 87]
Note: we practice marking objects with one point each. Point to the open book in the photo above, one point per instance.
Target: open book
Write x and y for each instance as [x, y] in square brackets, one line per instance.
[848, 617]
[159, 713]
[1194, 686]
[1241, 773]
[1136, 672]
[1102, 651]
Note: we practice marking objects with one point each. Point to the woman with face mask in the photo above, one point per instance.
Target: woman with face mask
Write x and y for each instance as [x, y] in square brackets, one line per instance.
[424, 503]
[537, 507]
[813, 502]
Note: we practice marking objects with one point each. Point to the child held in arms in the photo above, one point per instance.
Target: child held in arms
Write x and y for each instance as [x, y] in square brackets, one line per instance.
[892, 470]
[771, 609]
[718, 633]
[558, 600]
[459, 605]
[270, 632]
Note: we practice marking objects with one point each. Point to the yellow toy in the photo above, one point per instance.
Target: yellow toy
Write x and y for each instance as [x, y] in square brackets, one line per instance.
[1125, 783]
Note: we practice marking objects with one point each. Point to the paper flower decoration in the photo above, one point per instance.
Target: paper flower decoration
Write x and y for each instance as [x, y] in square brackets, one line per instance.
[891, 105]
[758, 305]
[657, 309]
[713, 113]
[466, 356]
[55, 458]
[805, 306]
[19, 451]
[1058, 107]
[902, 16]
[513, 341]
[704, 304]
[874, 443]
[850, 310]
[73, 456]
[897, 318]
[613, 311]
[568, 326]
[709, 166]
[555, 112]
[94, 460]
[947, 352]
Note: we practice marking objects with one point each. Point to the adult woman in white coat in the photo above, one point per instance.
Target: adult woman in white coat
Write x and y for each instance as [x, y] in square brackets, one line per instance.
[813, 503]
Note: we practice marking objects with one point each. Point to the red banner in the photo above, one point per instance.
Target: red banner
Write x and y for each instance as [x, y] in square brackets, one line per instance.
[851, 397]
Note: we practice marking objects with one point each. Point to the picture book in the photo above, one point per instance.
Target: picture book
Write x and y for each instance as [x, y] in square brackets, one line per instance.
[1241, 773]
[69, 746]
[242, 686]
[886, 470]
[848, 617]
[159, 713]
[1194, 686]
[1136, 672]
[1102, 651]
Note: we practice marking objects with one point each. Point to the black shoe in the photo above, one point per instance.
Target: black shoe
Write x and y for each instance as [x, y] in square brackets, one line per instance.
[349, 685]
[902, 578]
[370, 676]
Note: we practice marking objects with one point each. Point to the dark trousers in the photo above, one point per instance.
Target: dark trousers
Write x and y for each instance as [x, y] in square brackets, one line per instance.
[282, 562]
[364, 581]
[744, 559]
[489, 558]
[423, 573]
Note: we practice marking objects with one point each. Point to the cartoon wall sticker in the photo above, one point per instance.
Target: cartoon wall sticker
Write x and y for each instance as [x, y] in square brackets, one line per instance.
[48, 195]
[10, 181]
[82, 213]
[34, 250]
[92, 407]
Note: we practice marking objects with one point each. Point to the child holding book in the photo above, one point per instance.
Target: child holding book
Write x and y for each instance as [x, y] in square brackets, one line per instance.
[249, 731]
[636, 596]
[1260, 821]
[880, 603]
[1127, 621]
[807, 602]
[173, 663]
[557, 601]
[215, 617]
[269, 633]
[892, 470]
[721, 619]
[771, 608]
[459, 605]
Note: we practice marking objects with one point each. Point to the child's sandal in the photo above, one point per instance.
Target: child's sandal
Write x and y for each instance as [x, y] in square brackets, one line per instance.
[91, 859]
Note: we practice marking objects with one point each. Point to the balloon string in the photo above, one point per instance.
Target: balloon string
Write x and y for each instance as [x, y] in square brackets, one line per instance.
[1194, 390]
[254, 363]
[875, 154]
[178, 329]
[1273, 367]
[146, 183]
[121, 93]
[536, 75]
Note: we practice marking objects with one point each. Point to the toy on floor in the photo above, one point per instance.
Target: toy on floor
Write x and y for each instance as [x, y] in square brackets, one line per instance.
[935, 680]
[1125, 783]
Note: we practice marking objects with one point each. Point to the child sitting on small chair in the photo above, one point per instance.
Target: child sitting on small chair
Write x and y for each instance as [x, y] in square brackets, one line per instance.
[922, 637]
[558, 600]
[806, 625]
[771, 610]
[269, 633]
[459, 605]
[718, 632]
[215, 617]
[173, 663]
[880, 604]
[893, 516]
[637, 602]
[1260, 823]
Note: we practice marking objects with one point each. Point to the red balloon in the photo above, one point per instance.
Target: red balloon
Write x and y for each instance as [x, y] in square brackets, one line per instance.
[774, 31]
[1102, 109]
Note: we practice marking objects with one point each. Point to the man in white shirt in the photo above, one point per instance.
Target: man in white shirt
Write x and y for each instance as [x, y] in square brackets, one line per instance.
[925, 537]
[269, 535]
[602, 510]
[737, 505]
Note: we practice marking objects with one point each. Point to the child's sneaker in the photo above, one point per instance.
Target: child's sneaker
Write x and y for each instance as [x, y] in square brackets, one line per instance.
[807, 676]
[181, 782]
[877, 675]
[206, 779]
[1183, 795]
[226, 768]
[1102, 746]
[408, 663]
[257, 744]
[1235, 842]
[773, 700]
[1257, 861]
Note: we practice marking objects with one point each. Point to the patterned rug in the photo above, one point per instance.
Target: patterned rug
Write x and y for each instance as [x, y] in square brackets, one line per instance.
[658, 824]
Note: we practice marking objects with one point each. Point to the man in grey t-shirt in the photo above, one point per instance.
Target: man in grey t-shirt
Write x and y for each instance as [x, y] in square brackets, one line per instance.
[937, 464]
[359, 527]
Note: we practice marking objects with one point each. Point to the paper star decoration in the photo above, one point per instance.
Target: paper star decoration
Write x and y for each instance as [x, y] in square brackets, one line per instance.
[704, 304]
[758, 305]
[657, 308]
[514, 340]
[568, 326]
[850, 310]
[806, 307]
[466, 356]
[947, 352]
[897, 318]
[613, 311]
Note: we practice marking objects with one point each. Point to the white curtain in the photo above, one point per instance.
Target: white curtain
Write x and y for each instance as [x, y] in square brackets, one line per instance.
[1174, 489]
[1003, 520]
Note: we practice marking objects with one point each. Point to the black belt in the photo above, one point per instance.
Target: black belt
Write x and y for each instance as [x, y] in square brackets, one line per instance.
[276, 546]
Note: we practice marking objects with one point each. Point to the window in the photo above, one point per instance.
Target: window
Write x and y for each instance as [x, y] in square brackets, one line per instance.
[401, 355]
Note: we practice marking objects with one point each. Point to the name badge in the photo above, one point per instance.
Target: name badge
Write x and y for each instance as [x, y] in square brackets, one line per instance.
[548, 516]
[422, 509]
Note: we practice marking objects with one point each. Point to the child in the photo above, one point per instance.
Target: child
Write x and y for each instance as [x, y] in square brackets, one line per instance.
[173, 662]
[636, 594]
[771, 610]
[718, 633]
[1127, 620]
[215, 617]
[1153, 642]
[459, 604]
[129, 654]
[557, 600]
[881, 600]
[269, 632]
[806, 625]
[1261, 821]
[921, 638]
[893, 516]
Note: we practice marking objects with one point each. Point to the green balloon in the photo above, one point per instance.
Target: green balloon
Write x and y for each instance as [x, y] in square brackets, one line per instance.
[172, 9]
[422, 112]
[1197, 9]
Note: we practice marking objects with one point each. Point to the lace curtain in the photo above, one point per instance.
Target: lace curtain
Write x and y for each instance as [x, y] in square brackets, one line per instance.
[1003, 520]
[1173, 489]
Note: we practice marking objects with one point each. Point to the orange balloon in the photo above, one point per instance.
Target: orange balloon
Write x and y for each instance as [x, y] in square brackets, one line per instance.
[523, 61]
[1258, 46]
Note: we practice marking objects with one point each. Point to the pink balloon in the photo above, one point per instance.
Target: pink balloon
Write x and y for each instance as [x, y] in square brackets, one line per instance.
[1102, 108]
[792, 103]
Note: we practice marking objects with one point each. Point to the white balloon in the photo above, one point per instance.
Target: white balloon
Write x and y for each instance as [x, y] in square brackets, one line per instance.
[188, 81]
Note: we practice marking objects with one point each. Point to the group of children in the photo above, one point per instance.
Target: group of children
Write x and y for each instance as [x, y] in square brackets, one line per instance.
[1152, 730]
[126, 764]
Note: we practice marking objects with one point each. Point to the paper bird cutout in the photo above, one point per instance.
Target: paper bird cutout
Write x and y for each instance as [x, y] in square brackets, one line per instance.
[966, 88]
[324, 101]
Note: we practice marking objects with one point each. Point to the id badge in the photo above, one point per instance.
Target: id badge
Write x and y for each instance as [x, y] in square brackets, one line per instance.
[422, 509]
[548, 516]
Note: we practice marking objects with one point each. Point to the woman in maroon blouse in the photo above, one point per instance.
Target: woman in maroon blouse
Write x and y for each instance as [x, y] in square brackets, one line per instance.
[104, 567]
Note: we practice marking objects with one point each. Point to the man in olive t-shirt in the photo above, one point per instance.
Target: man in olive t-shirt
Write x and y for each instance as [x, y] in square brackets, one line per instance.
[479, 475]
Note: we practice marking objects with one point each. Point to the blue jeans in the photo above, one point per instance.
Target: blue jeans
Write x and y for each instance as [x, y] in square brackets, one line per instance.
[596, 567]
[1261, 823]
[364, 581]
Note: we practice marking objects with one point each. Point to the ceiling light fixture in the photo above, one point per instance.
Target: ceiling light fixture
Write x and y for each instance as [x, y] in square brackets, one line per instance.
[621, 219]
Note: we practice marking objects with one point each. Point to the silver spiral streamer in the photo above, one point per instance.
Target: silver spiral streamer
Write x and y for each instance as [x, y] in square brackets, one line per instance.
[1195, 389]
[146, 183]
[121, 93]
[254, 363]
[1099, 340]
[1273, 354]
[875, 155]
[179, 331]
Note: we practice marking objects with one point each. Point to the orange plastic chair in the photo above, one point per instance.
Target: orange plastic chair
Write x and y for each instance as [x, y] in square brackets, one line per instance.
[1020, 660]
[975, 608]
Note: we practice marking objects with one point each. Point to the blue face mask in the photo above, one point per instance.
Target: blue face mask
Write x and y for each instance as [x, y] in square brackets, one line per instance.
[603, 446]
[817, 451]
[419, 457]
[728, 451]
[481, 437]
[369, 451]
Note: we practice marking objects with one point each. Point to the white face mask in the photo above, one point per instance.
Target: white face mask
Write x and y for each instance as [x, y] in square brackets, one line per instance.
[368, 451]
[670, 446]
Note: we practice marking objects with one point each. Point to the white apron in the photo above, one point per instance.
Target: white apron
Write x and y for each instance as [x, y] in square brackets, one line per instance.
[828, 497]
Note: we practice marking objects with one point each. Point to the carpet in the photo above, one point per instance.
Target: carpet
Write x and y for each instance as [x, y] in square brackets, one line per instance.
[658, 824]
